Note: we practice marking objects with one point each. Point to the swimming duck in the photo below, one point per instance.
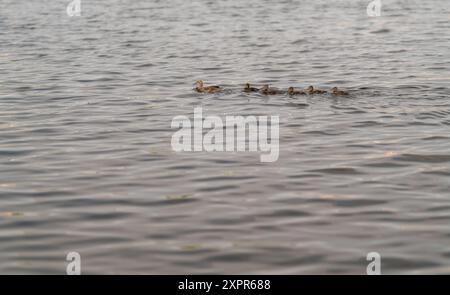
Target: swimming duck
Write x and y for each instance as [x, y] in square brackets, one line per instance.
[311, 90]
[336, 91]
[248, 88]
[208, 89]
[292, 91]
[268, 90]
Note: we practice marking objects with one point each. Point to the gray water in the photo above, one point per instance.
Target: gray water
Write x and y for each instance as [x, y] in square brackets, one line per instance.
[86, 165]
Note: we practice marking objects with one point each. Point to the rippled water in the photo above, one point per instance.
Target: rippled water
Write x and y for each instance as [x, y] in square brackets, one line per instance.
[86, 164]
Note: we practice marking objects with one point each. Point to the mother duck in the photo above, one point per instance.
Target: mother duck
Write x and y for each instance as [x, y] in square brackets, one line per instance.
[206, 89]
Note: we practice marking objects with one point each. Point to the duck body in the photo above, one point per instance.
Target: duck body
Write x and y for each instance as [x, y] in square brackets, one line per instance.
[336, 91]
[248, 88]
[269, 90]
[208, 89]
[312, 90]
[293, 91]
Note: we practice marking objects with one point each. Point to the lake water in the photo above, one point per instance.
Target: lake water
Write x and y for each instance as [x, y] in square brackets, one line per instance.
[86, 164]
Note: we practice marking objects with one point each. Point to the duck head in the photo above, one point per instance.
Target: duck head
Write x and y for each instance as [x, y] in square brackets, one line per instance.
[291, 90]
[310, 88]
[198, 84]
[334, 89]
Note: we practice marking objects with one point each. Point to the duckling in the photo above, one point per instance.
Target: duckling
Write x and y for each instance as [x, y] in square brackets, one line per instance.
[311, 90]
[208, 89]
[269, 91]
[250, 89]
[336, 91]
[292, 91]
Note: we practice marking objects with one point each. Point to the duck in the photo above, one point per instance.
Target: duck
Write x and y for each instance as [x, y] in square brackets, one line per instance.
[248, 88]
[208, 89]
[268, 90]
[311, 90]
[292, 91]
[336, 91]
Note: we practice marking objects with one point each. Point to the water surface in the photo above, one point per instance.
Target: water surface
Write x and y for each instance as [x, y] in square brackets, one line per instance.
[86, 164]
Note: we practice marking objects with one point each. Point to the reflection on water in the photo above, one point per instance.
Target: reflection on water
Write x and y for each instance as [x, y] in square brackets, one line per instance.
[86, 164]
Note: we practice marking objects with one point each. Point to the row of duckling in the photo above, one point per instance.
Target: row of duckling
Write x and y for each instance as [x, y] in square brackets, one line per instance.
[199, 87]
